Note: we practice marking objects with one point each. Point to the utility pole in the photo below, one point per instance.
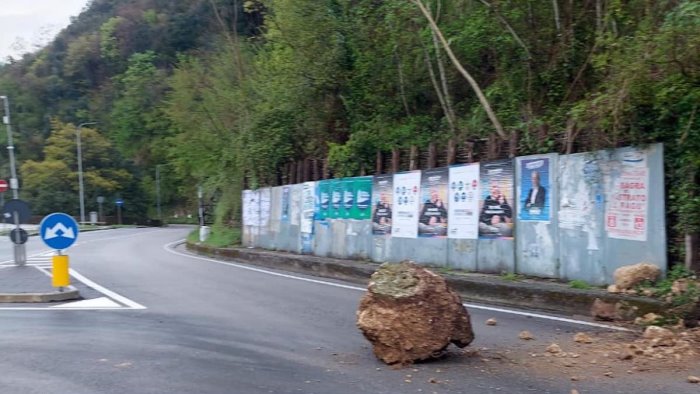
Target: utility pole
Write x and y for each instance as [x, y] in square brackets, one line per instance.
[81, 188]
[19, 249]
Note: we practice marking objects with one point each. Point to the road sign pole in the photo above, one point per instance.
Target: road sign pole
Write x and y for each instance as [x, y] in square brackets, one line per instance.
[60, 271]
[59, 231]
[19, 249]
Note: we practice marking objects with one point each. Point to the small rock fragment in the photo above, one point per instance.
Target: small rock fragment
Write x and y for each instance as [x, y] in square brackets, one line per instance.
[575, 378]
[627, 355]
[679, 286]
[526, 335]
[649, 318]
[433, 380]
[693, 379]
[609, 374]
[491, 322]
[574, 391]
[606, 311]
[554, 348]
[613, 289]
[653, 332]
[581, 337]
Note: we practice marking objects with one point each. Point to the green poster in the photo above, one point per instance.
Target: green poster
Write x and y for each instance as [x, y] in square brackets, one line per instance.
[348, 198]
[362, 208]
[336, 190]
[324, 199]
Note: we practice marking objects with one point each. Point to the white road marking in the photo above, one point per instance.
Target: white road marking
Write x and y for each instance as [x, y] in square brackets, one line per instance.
[169, 248]
[86, 304]
[131, 304]
[102, 303]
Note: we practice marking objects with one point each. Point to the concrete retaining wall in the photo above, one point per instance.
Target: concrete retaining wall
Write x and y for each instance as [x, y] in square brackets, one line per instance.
[573, 243]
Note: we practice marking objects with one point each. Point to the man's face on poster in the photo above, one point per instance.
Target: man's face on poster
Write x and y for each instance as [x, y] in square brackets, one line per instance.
[495, 191]
[535, 177]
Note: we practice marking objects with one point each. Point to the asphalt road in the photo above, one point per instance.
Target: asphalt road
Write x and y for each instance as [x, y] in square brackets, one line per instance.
[183, 324]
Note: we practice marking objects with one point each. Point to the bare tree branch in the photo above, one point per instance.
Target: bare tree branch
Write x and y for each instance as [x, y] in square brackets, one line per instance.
[555, 7]
[401, 83]
[474, 85]
[510, 29]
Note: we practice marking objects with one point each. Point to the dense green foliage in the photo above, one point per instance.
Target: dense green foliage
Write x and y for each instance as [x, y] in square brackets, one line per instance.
[225, 93]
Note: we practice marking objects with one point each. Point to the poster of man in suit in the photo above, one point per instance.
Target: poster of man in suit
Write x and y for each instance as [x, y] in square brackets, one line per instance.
[535, 203]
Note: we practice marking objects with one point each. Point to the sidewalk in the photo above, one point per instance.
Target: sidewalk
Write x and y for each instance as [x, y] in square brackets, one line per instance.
[20, 284]
[536, 294]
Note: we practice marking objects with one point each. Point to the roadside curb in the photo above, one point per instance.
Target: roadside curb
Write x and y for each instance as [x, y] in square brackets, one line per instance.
[39, 297]
[544, 296]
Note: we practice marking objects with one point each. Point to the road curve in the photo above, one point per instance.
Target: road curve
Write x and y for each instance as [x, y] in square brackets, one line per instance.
[211, 327]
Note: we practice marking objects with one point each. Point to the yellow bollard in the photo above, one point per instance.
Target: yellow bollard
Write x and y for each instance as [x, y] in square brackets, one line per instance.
[60, 277]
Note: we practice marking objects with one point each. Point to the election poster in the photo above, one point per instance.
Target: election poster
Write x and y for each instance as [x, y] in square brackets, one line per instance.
[496, 209]
[324, 199]
[285, 204]
[265, 206]
[406, 202]
[432, 220]
[534, 203]
[295, 205]
[464, 196]
[348, 197]
[363, 198]
[627, 205]
[308, 204]
[336, 189]
[382, 196]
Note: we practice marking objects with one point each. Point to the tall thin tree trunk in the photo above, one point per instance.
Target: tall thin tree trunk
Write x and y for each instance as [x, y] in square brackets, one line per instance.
[379, 163]
[432, 155]
[395, 157]
[438, 91]
[413, 158]
[451, 151]
[402, 83]
[557, 22]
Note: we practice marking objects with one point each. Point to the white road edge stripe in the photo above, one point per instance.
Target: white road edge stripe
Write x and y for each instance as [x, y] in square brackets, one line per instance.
[169, 248]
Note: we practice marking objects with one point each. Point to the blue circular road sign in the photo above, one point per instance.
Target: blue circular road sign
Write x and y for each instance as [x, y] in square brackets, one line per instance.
[58, 230]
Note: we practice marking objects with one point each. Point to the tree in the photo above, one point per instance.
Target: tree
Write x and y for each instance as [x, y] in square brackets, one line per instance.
[52, 183]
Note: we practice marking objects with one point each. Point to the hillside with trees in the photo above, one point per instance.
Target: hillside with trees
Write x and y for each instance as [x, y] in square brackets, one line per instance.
[232, 94]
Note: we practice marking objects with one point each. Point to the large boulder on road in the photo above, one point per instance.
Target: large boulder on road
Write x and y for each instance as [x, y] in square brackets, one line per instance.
[410, 314]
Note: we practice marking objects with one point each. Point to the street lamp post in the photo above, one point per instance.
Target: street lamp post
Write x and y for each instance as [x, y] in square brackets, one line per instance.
[158, 191]
[81, 188]
[19, 249]
[14, 184]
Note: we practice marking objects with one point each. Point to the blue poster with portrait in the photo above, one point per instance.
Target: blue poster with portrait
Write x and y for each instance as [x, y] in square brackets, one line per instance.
[535, 200]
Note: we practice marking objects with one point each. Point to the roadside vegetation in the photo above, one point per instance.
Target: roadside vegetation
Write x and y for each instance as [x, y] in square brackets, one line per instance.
[235, 94]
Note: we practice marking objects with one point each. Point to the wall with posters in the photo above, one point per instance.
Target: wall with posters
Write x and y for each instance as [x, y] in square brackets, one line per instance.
[610, 203]
[571, 217]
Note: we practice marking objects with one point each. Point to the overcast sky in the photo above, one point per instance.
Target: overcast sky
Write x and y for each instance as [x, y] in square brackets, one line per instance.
[32, 22]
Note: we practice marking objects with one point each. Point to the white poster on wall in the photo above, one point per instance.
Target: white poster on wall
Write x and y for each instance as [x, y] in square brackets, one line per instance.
[627, 206]
[295, 205]
[464, 192]
[251, 208]
[265, 196]
[308, 203]
[406, 203]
